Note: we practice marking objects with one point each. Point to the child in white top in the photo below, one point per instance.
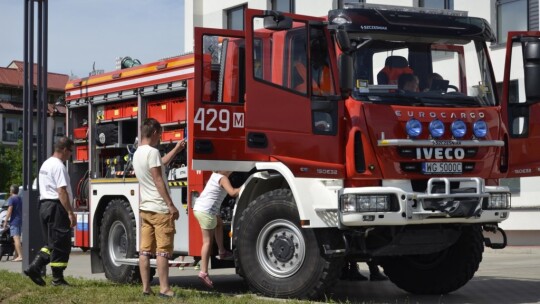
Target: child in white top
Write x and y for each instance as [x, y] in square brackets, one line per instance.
[206, 210]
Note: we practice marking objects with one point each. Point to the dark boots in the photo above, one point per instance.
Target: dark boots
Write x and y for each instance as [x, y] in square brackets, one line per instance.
[351, 272]
[58, 276]
[34, 270]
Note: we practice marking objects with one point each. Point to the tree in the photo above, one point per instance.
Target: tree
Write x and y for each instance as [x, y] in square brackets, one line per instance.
[11, 162]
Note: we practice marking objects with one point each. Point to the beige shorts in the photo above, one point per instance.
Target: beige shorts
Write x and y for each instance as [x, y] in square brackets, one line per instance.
[157, 234]
[206, 220]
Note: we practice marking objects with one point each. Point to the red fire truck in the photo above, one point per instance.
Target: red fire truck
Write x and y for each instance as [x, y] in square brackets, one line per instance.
[335, 159]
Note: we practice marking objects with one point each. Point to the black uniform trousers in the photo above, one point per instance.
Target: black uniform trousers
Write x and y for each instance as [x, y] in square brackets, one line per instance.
[56, 230]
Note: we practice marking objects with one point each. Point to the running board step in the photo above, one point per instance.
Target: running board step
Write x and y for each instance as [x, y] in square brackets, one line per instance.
[189, 262]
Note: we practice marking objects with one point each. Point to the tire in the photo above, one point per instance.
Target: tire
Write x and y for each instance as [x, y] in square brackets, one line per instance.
[118, 239]
[277, 257]
[441, 272]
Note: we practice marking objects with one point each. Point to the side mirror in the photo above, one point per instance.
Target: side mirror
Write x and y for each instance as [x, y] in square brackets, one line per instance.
[276, 21]
[531, 65]
[343, 41]
[345, 65]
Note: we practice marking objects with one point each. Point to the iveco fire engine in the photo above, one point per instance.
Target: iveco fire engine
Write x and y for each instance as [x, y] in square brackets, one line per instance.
[335, 160]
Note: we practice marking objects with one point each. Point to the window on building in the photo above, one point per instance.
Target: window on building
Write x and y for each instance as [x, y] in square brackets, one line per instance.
[512, 15]
[286, 6]
[442, 4]
[12, 129]
[235, 18]
[341, 3]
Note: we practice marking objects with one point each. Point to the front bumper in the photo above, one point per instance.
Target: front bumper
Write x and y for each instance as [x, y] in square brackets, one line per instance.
[472, 202]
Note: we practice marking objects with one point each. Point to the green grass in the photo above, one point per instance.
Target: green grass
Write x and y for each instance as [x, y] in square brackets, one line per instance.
[16, 288]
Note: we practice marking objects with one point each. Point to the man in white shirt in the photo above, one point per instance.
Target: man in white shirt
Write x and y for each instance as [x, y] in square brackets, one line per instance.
[57, 217]
[156, 209]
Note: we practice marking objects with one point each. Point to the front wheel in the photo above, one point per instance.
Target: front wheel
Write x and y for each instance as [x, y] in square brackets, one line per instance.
[438, 273]
[276, 256]
[117, 241]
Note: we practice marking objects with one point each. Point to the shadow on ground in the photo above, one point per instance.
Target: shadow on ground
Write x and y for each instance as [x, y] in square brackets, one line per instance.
[479, 290]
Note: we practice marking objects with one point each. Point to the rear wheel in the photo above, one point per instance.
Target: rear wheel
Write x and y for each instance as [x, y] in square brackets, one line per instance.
[441, 272]
[117, 241]
[275, 255]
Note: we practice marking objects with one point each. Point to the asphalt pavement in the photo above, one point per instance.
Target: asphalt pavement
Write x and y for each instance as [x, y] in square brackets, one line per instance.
[510, 275]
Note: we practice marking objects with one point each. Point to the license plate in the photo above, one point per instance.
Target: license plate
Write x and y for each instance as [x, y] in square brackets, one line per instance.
[442, 168]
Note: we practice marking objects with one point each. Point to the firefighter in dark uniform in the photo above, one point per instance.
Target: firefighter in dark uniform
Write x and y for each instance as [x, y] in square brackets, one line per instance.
[57, 217]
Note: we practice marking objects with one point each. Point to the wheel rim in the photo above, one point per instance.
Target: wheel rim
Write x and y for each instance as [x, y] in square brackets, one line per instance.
[281, 248]
[117, 242]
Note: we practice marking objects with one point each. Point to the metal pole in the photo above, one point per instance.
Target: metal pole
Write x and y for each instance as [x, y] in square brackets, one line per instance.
[25, 98]
[31, 228]
[39, 82]
[44, 47]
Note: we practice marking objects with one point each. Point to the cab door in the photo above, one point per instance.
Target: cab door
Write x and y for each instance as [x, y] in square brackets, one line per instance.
[521, 103]
[293, 111]
[218, 127]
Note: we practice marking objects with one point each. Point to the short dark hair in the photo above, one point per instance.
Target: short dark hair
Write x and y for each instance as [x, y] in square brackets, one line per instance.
[405, 78]
[63, 143]
[14, 189]
[149, 126]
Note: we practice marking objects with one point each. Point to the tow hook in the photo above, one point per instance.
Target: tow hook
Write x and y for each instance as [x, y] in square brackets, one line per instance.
[494, 229]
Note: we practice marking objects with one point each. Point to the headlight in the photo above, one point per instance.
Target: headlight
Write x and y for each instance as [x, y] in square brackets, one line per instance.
[499, 201]
[413, 128]
[365, 203]
[348, 203]
[436, 128]
[480, 128]
[459, 128]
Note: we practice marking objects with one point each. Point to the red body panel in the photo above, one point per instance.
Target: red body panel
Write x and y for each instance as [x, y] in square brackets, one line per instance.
[285, 116]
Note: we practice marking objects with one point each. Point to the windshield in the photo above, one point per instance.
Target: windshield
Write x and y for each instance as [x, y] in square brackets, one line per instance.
[426, 73]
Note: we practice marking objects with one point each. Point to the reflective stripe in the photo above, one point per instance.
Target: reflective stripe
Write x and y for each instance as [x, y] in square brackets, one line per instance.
[59, 264]
[172, 184]
[45, 250]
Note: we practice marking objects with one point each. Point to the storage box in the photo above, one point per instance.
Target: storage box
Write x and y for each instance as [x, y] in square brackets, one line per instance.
[80, 133]
[177, 110]
[172, 135]
[158, 110]
[82, 153]
[114, 111]
[130, 110]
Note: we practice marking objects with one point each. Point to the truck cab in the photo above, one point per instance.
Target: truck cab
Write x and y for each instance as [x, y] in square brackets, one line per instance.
[343, 153]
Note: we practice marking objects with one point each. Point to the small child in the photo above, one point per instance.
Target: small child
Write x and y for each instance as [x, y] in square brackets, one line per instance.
[206, 210]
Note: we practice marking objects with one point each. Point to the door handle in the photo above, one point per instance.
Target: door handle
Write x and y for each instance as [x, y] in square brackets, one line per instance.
[257, 140]
[204, 146]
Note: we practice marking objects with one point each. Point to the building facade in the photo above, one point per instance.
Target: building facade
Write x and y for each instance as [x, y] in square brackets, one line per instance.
[503, 15]
[11, 105]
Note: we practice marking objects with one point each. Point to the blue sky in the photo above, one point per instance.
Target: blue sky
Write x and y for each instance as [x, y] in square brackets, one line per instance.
[84, 32]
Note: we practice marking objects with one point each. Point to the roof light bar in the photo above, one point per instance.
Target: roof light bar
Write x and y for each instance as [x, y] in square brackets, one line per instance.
[407, 9]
